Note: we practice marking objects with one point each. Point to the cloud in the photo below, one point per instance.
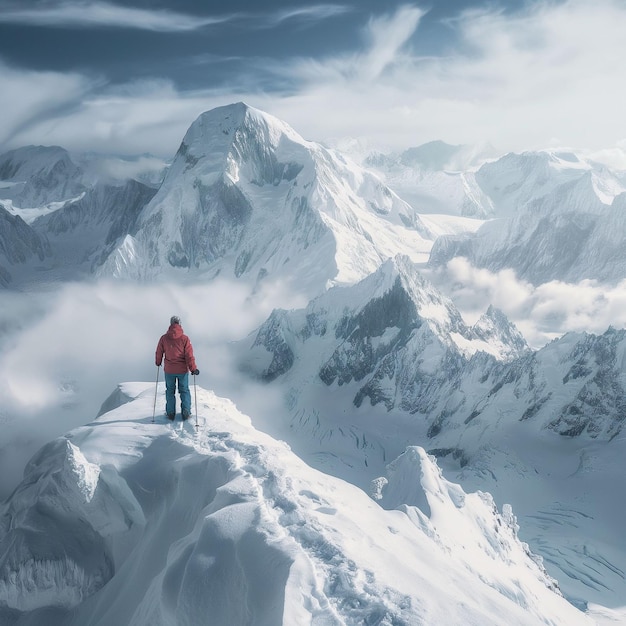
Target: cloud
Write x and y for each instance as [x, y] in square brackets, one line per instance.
[541, 313]
[141, 117]
[81, 13]
[311, 13]
[547, 76]
[85, 13]
[63, 352]
[36, 99]
[386, 38]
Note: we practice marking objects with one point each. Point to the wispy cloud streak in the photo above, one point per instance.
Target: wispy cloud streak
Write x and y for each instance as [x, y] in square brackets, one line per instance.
[316, 12]
[84, 13]
[386, 38]
[74, 14]
[548, 76]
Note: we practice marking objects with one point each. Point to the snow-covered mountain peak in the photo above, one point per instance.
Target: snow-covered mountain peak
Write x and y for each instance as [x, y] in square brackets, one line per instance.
[232, 119]
[392, 338]
[495, 328]
[126, 521]
[246, 196]
[21, 163]
[234, 136]
[400, 272]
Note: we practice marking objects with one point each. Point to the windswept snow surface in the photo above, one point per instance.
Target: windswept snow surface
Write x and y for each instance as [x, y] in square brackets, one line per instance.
[126, 521]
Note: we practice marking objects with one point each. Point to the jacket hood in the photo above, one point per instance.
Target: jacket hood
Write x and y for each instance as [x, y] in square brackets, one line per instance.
[175, 331]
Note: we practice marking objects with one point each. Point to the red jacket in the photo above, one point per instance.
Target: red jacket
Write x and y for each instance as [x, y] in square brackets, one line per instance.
[178, 352]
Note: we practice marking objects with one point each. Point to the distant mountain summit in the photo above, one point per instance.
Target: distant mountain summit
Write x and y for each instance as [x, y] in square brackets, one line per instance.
[437, 178]
[559, 218]
[62, 214]
[39, 175]
[248, 197]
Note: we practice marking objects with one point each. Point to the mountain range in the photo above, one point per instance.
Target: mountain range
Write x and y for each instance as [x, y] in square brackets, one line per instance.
[262, 203]
[382, 383]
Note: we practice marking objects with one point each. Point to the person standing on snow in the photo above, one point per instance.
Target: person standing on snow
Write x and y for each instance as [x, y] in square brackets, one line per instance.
[176, 347]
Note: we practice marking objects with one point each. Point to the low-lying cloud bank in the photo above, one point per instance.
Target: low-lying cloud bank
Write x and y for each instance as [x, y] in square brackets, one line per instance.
[62, 352]
[541, 313]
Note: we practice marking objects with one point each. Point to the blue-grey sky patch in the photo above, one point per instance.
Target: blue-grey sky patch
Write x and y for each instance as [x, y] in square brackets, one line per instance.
[519, 74]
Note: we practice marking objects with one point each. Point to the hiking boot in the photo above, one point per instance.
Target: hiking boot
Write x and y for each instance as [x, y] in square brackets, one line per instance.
[186, 415]
[171, 416]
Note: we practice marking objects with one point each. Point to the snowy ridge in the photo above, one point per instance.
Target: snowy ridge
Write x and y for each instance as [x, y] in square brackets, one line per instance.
[365, 369]
[440, 508]
[175, 524]
[387, 332]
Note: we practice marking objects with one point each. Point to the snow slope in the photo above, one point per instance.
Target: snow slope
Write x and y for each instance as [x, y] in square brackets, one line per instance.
[82, 231]
[38, 176]
[20, 245]
[125, 521]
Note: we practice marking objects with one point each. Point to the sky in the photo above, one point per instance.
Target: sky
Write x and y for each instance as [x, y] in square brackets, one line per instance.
[130, 77]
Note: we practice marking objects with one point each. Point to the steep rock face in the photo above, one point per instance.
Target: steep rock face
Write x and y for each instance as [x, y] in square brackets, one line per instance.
[39, 175]
[247, 195]
[574, 386]
[19, 244]
[82, 231]
[393, 341]
[598, 408]
[495, 328]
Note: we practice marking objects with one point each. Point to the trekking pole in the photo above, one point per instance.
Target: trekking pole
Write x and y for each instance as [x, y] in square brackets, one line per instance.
[156, 386]
[195, 397]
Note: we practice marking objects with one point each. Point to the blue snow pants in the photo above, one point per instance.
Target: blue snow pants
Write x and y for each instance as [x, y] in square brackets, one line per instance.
[170, 393]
